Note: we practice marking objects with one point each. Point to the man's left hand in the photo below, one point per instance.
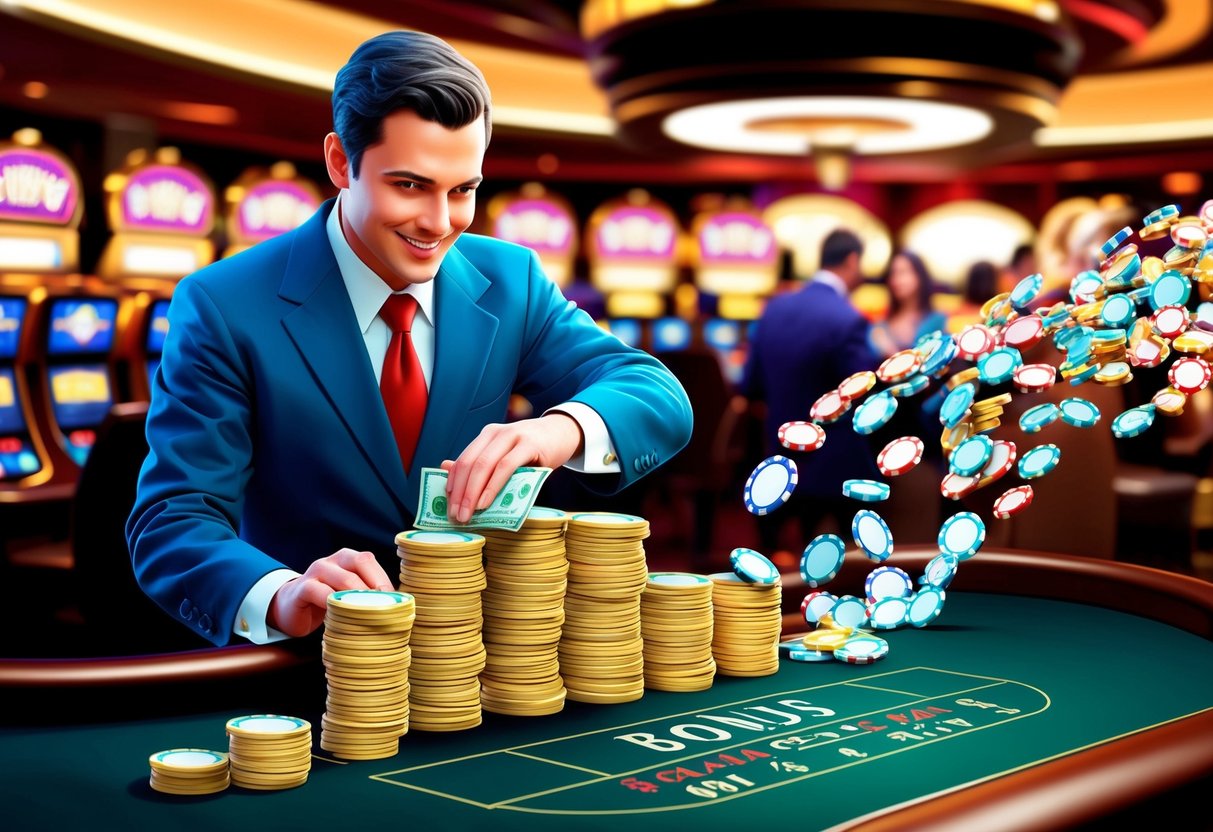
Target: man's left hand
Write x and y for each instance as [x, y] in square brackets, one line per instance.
[487, 464]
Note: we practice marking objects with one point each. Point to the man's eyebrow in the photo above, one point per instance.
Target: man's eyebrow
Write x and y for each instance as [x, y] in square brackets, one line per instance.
[425, 180]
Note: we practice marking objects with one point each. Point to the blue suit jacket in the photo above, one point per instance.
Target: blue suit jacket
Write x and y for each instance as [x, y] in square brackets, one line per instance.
[270, 444]
[805, 343]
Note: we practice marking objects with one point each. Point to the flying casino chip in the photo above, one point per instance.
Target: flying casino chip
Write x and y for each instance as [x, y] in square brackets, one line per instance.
[801, 436]
[955, 486]
[856, 385]
[961, 535]
[1036, 419]
[1002, 460]
[956, 406]
[1189, 375]
[909, 387]
[1035, 378]
[925, 606]
[862, 649]
[770, 485]
[1133, 422]
[1171, 321]
[829, 407]
[899, 366]
[999, 365]
[1079, 412]
[872, 535]
[974, 341]
[874, 413]
[1171, 289]
[971, 455]
[817, 604]
[753, 567]
[939, 354]
[888, 613]
[1118, 311]
[797, 652]
[1112, 243]
[1012, 501]
[867, 491]
[1024, 333]
[900, 456]
[887, 582]
[1026, 290]
[939, 571]
[850, 612]
[822, 559]
[1039, 461]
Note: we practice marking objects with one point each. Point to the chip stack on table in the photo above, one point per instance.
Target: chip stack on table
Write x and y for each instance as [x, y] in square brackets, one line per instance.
[189, 771]
[746, 616]
[676, 624]
[444, 571]
[366, 665]
[601, 651]
[269, 752]
[527, 575]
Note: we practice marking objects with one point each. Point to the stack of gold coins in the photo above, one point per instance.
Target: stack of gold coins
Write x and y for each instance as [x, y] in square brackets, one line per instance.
[189, 771]
[268, 751]
[746, 621]
[366, 664]
[527, 575]
[444, 572]
[601, 651]
[676, 624]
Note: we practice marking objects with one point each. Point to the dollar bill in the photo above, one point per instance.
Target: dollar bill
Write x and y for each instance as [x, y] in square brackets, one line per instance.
[508, 510]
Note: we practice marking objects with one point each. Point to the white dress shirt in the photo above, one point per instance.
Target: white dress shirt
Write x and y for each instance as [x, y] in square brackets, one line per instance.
[367, 293]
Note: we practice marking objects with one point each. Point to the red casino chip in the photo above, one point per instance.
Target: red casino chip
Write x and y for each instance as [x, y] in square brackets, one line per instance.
[1148, 353]
[1024, 333]
[1012, 501]
[974, 341]
[1189, 375]
[900, 456]
[955, 486]
[1035, 378]
[856, 384]
[829, 408]
[801, 436]
[899, 366]
[1171, 321]
[1002, 461]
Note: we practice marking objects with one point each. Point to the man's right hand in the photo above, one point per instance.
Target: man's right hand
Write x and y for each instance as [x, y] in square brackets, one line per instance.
[299, 605]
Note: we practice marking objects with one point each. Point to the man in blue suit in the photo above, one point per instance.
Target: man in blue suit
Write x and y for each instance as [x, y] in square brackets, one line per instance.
[277, 473]
[805, 343]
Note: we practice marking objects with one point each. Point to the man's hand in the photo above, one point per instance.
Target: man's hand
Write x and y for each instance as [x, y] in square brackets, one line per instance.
[299, 605]
[487, 464]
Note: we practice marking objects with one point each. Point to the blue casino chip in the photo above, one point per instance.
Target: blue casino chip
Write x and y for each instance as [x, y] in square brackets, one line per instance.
[962, 535]
[925, 606]
[1118, 311]
[997, 366]
[1039, 461]
[850, 612]
[942, 352]
[1133, 422]
[872, 535]
[822, 559]
[887, 582]
[940, 570]
[1079, 412]
[867, 491]
[1035, 419]
[874, 413]
[1026, 290]
[888, 613]
[753, 567]
[956, 406]
[911, 386]
[1170, 289]
[971, 455]
[770, 485]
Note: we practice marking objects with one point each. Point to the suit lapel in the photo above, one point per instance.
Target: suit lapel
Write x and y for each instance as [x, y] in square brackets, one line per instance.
[325, 332]
[464, 334]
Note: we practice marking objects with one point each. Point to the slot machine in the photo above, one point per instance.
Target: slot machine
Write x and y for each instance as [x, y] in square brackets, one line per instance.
[265, 202]
[76, 365]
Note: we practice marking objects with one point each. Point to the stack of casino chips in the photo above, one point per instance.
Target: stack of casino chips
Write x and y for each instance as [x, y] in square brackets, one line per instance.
[268, 751]
[366, 664]
[601, 651]
[676, 624]
[527, 575]
[746, 620]
[189, 771]
[444, 572]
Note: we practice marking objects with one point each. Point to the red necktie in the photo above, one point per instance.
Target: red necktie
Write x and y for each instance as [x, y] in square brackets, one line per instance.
[402, 383]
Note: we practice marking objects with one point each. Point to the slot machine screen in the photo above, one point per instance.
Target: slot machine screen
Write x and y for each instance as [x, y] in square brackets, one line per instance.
[12, 314]
[671, 335]
[81, 326]
[11, 418]
[80, 395]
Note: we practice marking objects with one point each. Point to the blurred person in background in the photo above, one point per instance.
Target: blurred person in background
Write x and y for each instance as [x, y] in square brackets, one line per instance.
[911, 311]
[981, 284]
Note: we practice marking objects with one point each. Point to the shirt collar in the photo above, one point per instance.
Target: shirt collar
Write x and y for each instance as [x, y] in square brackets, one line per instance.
[366, 289]
[828, 278]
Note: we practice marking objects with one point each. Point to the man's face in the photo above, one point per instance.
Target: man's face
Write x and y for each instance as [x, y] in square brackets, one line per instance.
[414, 195]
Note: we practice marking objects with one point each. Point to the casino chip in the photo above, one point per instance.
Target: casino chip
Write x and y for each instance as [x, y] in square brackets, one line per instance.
[770, 485]
[856, 385]
[1039, 461]
[1026, 290]
[940, 570]
[1133, 422]
[956, 406]
[1079, 412]
[862, 649]
[899, 366]
[874, 413]
[1189, 375]
[817, 604]
[971, 455]
[189, 771]
[1171, 289]
[872, 535]
[925, 606]
[961, 535]
[801, 436]
[1035, 378]
[888, 613]
[999, 365]
[909, 387]
[797, 652]
[900, 456]
[974, 341]
[829, 407]
[1036, 419]
[822, 559]
[1012, 501]
[887, 582]
[753, 567]
[955, 486]
[1024, 333]
[849, 612]
[868, 491]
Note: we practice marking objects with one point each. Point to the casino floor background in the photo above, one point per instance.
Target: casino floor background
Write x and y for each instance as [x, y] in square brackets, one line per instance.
[671, 238]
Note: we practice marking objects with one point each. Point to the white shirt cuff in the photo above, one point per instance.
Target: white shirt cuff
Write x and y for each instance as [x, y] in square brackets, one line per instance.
[254, 609]
[597, 453]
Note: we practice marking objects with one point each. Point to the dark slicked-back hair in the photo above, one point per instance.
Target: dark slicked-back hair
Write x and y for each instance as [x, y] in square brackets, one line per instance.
[405, 71]
[838, 245]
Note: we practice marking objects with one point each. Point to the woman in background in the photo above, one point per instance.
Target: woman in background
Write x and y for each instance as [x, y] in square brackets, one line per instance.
[911, 314]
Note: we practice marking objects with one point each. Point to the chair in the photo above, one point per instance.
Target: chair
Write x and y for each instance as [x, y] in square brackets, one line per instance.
[119, 616]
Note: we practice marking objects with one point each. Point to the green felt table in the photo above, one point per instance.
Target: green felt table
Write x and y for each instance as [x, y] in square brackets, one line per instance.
[1051, 690]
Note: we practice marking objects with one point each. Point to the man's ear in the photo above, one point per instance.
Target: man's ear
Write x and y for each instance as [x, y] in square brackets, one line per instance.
[337, 163]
